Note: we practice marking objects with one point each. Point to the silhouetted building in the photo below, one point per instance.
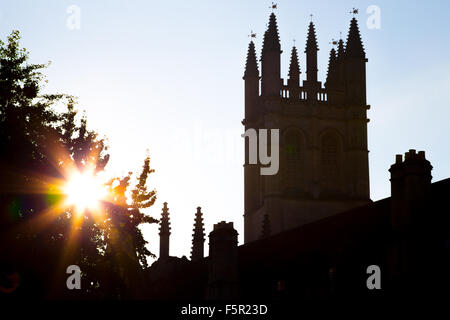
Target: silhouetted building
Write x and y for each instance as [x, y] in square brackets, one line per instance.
[311, 231]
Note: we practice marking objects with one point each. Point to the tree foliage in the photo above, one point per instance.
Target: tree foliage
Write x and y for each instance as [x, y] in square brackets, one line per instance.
[36, 143]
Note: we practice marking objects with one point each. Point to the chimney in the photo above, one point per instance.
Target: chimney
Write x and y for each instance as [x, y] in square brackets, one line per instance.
[410, 189]
[223, 262]
[410, 193]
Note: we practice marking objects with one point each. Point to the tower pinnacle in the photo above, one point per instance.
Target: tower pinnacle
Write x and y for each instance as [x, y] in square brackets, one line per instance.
[294, 75]
[354, 47]
[311, 41]
[198, 237]
[270, 60]
[311, 49]
[294, 68]
[271, 38]
[164, 232]
[331, 67]
[251, 66]
[341, 50]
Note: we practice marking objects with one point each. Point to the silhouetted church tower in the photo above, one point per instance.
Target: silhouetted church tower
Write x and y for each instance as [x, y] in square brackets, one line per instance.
[324, 165]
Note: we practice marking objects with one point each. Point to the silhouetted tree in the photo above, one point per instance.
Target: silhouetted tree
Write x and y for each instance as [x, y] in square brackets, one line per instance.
[125, 244]
[36, 144]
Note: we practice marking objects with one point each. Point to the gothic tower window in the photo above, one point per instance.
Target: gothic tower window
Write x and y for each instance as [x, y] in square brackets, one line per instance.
[294, 160]
[330, 162]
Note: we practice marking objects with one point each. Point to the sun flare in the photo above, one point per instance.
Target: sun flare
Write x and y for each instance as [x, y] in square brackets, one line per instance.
[84, 190]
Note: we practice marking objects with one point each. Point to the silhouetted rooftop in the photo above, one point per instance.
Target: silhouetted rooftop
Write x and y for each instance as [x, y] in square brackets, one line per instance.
[336, 236]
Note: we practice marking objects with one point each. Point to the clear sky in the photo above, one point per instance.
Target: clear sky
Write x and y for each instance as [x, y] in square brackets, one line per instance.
[167, 76]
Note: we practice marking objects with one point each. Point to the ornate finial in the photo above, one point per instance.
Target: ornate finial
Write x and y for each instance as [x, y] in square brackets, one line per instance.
[252, 35]
[293, 40]
[354, 11]
[311, 15]
[274, 6]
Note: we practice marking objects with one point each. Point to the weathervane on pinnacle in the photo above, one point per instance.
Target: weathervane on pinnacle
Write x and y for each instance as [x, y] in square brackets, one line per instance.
[354, 11]
[252, 35]
[333, 42]
[274, 6]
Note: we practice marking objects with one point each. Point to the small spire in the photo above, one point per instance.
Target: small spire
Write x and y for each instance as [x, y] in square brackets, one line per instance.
[311, 62]
[341, 50]
[271, 38]
[164, 226]
[265, 227]
[294, 67]
[198, 237]
[164, 233]
[311, 41]
[354, 47]
[331, 65]
[251, 65]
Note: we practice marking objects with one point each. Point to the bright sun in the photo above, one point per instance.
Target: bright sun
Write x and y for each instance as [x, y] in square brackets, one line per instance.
[84, 190]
